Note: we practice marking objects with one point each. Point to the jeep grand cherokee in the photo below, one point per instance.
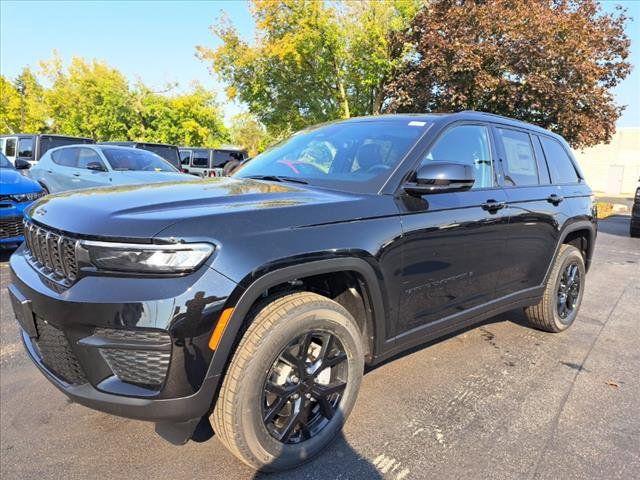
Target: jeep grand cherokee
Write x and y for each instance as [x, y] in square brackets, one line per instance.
[256, 301]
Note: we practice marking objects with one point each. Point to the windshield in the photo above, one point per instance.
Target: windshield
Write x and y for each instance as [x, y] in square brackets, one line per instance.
[351, 156]
[129, 159]
[4, 162]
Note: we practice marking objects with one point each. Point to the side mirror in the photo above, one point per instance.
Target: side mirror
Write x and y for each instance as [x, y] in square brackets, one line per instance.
[96, 167]
[440, 177]
[21, 164]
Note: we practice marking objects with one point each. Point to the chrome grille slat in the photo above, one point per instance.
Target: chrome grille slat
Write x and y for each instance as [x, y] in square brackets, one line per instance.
[52, 254]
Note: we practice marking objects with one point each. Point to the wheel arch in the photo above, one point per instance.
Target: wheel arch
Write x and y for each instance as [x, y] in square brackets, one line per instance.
[576, 230]
[248, 297]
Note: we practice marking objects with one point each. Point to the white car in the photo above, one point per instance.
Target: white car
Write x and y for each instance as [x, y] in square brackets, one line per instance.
[86, 166]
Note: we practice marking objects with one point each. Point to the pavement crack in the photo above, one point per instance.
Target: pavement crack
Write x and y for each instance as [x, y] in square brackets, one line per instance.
[580, 368]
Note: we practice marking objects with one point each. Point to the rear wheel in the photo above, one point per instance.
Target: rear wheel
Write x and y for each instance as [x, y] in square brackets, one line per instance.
[558, 307]
[291, 383]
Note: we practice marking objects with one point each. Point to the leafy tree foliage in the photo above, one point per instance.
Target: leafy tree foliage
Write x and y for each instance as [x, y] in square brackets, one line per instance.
[549, 62]
[21, 104]
[312, 61]
[95, 100]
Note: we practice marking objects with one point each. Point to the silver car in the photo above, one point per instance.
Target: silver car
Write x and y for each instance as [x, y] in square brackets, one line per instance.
[87, 166]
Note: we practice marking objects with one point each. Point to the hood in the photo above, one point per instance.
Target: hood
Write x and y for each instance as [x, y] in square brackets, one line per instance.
[12, 183]
[142, 211]
[132, 176]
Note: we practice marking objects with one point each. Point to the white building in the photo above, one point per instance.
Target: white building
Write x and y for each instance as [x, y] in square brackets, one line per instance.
[613, 168]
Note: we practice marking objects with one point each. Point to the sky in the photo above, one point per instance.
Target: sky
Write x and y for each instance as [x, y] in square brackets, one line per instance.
[154, 41]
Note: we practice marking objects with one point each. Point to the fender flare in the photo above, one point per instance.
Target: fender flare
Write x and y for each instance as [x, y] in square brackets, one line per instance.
[564, 233]
[249, 296]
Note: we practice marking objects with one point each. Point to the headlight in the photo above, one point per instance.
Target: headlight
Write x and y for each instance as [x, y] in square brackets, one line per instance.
[132, 257]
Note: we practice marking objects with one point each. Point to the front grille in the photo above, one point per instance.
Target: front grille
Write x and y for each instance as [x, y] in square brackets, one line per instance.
[11, 227]
[53, 254]
[56, 353]
[146, 368]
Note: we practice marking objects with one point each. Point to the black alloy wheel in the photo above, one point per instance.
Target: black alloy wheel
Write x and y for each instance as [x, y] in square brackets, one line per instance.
[568, 290]
[304, 387]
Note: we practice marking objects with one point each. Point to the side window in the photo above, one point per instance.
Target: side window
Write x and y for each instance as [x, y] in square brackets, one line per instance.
[560, 165]
[468, 144]
[25, 148]
[66, 157]
[200, 158]
[185, 157]
[519, 163]
[10, 147]
[87, 156]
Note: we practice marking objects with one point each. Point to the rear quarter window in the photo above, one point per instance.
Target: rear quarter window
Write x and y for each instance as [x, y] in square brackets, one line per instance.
[560, 165]
[67, 157]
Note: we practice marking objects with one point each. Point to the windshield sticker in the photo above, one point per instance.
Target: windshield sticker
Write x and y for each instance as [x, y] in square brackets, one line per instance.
[415, 123]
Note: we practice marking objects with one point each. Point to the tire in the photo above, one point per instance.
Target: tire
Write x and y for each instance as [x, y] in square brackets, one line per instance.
[239, 415]
[634, 229]
[548, 314]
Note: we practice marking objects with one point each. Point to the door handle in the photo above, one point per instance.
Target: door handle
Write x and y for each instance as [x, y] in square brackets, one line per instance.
[555, 199]
[49, 171]
[76, 174]
[493, 206]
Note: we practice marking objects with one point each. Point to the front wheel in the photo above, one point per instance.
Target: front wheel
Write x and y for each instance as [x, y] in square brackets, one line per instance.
[292, 382]
[559, 305]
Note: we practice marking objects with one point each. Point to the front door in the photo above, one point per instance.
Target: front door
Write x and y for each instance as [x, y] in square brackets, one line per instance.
[452, 242]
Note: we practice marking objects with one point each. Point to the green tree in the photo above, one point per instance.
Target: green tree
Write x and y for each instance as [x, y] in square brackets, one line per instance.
[247, 131]
[89, 99]
[191, 118]
[312, 61]
[22, 107]
[552, 63]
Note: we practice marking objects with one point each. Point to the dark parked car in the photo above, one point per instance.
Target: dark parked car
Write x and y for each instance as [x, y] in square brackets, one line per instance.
[31, 147]
[257, 300]
[168, 152]
[634, 229]
[209, 162]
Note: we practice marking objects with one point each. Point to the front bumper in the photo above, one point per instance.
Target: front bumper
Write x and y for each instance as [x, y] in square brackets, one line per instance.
[152, 325]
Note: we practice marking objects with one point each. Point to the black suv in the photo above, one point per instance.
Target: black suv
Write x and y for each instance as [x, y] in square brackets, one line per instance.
[257, 300]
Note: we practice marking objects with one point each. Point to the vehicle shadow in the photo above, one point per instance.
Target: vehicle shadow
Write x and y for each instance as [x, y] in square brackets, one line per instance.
[514, 316]
[615, 225]
[339, 460]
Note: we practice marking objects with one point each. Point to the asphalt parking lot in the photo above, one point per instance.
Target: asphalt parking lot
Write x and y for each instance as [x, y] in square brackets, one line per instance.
[497, 401]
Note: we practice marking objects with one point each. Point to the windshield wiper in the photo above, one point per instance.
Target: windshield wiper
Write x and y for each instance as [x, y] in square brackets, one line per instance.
[278, 178]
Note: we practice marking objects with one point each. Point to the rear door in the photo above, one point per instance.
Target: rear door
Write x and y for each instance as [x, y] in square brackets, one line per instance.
[200, 162]
[452, 242]
[59, 174]
[533, 212]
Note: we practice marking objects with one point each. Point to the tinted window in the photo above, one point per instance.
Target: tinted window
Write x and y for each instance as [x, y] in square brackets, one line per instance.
[4, 162]
[221, 157]
[200, 158]
[519, 163]
[124, 159]
[87, 156]
[185, 156]
[468, 144]
[170, 154]
[560, 165]
[339, 155]
[25, 148]
[47, 142]
[67, 157]
[10, 147]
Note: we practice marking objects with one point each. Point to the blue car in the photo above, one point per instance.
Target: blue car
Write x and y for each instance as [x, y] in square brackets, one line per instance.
[17, 192]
